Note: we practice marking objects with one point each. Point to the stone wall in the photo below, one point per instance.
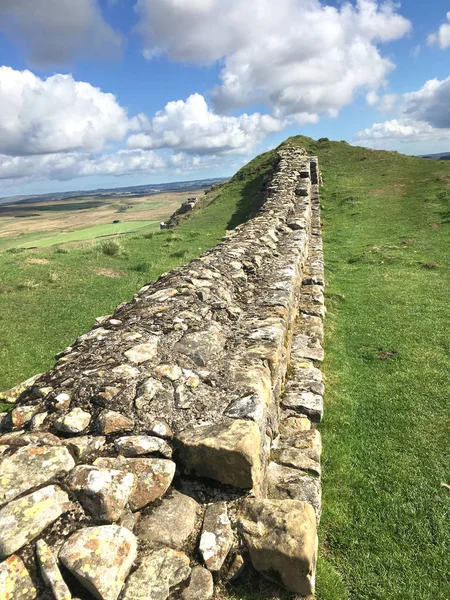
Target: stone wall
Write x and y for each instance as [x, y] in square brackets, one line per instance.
[175, 443]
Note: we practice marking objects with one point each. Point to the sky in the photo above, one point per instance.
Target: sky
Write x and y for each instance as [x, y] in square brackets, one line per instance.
[110, 93]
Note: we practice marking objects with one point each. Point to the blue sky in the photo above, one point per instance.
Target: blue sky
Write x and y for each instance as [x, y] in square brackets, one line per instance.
[105, 93]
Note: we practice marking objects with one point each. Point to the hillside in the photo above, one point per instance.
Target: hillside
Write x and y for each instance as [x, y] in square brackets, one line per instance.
[384, 530]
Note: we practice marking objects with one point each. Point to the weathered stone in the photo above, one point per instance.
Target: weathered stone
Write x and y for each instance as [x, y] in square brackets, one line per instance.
[305, 403]
[161, 428]
[286, 482]
[30, 467]
[157, 574]
[74, 422]
[201, 585]
[62, 401]
[125, 371]
[100, 558]
[201, 346]
[21, 415]
[252, 407]
[50, 572]
[217, 536]
[191, 379]
[110, 421]
[85, 445]
[293, 425]
[281, 536]
[15, 581]
[18, 439]
[300, 451]
[13, 394]
[236, 568]
[23, 519]
[138, 445]
[143, 352]
[171, 523]
[104, 493]
[38, 420]
[43, 392]
[229, 453]
[129, 519]
[153, 477]
[172, 372]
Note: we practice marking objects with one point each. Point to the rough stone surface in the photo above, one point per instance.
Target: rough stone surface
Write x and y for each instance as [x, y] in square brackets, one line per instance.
[300, 451]
[143, 352]
[171, 523]
[24, 519]
[104, 493]
[83, 446]
[281, 537]
[217, 536]
[100, 558]
[201, 585]
[236, 568]
[51, 574]
[110, 421]
[138, 445]
[30, 467]
[227, 453]
[152, 477]
[286, 482]
[75, 421]
[158, 573]
[15, 581]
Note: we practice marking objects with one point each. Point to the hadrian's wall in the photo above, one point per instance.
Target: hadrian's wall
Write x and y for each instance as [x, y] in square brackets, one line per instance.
[174, 445]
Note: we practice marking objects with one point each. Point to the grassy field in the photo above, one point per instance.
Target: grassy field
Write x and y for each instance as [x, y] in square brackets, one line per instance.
[25, 225]
[90, 233]
[384, 533]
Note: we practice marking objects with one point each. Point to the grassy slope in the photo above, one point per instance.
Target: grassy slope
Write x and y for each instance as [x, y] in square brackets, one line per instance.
[44, 307]
[385, 532]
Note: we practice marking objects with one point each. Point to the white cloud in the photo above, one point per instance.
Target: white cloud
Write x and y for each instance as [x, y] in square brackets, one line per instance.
[299, 57]
[430, 103]
[441, 37]
[384, 135]
[191, 126]
[77, 164]
[57, 114]
[388, 102]
[372, 98]
[57, 32]
[423, 116]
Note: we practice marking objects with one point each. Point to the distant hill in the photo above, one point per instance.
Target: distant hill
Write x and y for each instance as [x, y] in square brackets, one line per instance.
[438, 156]
[136, 190]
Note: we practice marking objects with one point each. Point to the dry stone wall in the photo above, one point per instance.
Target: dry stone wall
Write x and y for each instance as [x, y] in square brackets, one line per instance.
[175, 443]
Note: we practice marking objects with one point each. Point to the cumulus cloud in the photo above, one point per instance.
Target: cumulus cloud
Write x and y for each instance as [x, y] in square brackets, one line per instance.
[57, 32]
[191, 126]
[441, 37]
[57, 114]
[78, 164]
[430, 103]
[299, 57]
[424, 116]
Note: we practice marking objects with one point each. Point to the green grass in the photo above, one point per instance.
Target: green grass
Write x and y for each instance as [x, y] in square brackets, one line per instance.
[38, 320]
[385, 528]
[88, 233]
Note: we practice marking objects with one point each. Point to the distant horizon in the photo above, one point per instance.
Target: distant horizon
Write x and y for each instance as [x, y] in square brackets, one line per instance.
[110, 189]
